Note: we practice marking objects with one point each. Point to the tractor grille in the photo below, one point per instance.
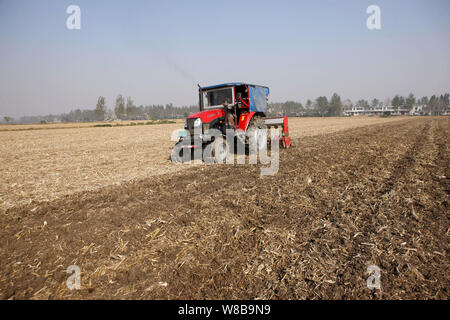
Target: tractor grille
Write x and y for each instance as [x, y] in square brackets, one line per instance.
[190, 126]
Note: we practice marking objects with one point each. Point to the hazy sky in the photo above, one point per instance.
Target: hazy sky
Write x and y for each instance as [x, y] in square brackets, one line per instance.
[157, 51]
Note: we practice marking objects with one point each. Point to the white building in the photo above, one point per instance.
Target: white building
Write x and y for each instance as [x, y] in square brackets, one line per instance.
[370, 111]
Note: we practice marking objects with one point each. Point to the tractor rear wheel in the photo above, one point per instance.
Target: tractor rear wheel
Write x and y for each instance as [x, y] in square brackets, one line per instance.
[257, 133]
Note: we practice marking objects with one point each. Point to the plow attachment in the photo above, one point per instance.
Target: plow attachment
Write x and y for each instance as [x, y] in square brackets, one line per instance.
[282, 129]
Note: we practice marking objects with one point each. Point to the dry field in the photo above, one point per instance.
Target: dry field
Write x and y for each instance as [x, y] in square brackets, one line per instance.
[71, 125]
[43, 164]
[349, 193]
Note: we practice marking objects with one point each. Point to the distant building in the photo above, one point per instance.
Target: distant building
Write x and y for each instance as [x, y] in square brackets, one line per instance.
[377, 111]
[416, 111]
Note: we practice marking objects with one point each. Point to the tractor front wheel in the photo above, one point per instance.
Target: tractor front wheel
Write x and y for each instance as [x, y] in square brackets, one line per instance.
[217, 151]
[179, 154]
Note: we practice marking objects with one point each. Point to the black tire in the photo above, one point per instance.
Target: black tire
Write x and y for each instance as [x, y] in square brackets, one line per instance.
[220, 145]
[178, 153]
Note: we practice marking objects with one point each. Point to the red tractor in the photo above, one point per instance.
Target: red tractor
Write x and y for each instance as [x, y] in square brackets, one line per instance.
[229, 111]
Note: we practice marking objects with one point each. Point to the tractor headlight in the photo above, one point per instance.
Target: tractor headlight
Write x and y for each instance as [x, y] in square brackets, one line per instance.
[197, 123]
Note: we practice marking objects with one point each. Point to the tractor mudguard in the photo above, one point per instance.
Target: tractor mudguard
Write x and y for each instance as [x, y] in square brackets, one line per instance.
[244, 120]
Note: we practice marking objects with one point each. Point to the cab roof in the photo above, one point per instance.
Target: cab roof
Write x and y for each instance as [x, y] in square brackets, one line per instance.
[230, 84]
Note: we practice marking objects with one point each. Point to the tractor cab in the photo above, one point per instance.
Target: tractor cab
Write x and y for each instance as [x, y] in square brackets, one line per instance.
[229, 105]
[246, 96]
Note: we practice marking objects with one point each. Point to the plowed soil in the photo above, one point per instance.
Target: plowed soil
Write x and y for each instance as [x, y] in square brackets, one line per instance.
[43, 164]
[374, 195]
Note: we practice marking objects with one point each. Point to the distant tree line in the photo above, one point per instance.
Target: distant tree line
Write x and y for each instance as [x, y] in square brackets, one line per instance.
[125, 109]
[322, 107]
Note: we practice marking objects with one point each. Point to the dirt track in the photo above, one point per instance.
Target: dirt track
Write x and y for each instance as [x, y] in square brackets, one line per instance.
[340, 202]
